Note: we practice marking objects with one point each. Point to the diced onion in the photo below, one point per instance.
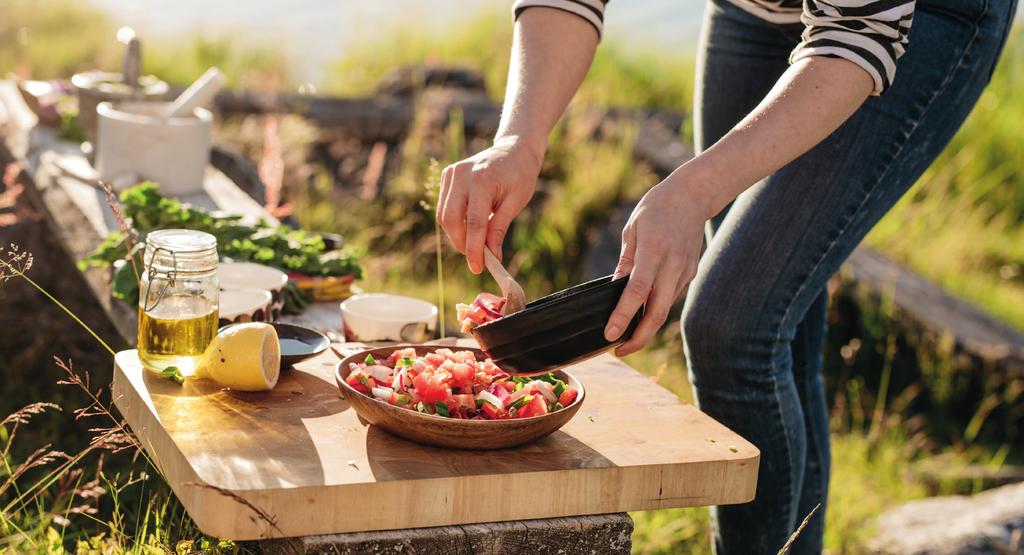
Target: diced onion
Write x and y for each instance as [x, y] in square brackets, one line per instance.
[491, 398]
[380, 373]
[398, 384]
[545, 389]
[382, 393]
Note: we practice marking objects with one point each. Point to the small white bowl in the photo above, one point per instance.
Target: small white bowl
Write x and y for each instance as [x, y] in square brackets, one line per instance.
[386, 317]
[249, 275]
[244, 305]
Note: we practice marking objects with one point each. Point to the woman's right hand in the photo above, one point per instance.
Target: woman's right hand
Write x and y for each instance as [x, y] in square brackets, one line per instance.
[482, 194]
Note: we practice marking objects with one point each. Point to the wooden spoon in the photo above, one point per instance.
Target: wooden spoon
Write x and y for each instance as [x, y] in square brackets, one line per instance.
[515, 297]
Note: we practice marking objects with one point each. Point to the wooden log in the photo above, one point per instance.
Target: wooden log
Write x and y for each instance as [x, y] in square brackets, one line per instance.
[240, 169]
[372, 119]
[927, 306]
[604, 534]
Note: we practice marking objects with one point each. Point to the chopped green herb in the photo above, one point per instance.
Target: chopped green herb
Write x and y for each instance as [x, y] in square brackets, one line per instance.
[441, 408]
[522, 401]
[590, 417]
[172, 373]
[403, 400]
[549, 377]
[480, 403]
[558, 406]
[559, 387]
[363, 379]
[406, 361]
[369, 360]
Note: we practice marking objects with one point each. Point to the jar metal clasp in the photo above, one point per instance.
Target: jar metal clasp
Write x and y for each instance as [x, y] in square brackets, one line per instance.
[152, 274]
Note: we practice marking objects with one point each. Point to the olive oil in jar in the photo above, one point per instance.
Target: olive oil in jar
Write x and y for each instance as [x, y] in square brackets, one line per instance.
[178, 299]
[170, 336]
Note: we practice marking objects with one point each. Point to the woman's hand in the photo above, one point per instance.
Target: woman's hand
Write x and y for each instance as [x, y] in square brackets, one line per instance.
[661, 245]
[482, 194]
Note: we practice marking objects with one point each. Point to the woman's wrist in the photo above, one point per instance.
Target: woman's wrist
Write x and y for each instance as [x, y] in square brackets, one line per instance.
[534, 146]
[701, 187]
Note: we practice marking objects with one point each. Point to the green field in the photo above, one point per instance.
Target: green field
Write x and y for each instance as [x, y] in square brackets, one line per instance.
[962, 225]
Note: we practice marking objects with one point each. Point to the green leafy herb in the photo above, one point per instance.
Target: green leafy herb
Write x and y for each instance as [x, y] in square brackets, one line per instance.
[172, 373]
[363, 379]
[406, 361]
[441, 408]
[369, 360]
[559, 387]
[557, 406]
[293, 251]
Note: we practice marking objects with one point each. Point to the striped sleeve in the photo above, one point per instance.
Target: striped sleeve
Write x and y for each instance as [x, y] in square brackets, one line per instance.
[869, 33]
[590, 10]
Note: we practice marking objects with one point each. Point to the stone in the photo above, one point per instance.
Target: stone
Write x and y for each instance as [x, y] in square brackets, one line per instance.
[991, 522]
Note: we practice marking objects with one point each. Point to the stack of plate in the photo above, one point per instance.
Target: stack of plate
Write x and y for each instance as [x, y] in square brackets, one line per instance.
[250, 292]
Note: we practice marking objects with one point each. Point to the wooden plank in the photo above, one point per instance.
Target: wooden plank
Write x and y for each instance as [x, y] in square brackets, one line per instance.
[931, 308]
[583, 535]
[303, 460]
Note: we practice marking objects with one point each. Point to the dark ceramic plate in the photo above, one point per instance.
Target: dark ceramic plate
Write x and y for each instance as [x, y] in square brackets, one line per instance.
[439, 431]
[557, 330]
[297, 343]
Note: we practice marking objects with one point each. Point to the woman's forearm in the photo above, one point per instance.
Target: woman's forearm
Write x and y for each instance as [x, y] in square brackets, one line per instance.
[810, 101]
[551, 53]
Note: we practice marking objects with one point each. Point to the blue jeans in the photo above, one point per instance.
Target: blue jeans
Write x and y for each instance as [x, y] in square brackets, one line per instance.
[754, 318]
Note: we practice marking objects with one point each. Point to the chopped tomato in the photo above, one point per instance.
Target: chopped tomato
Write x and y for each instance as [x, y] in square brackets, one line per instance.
[429, 389]
[360, 382]
[462, 374]
[492, 411]
[433, 359]
[466, 400]
[568, 396]
[536, 407]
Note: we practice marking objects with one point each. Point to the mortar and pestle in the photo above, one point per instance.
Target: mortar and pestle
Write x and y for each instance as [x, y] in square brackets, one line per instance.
[166, 142]
[94, 87]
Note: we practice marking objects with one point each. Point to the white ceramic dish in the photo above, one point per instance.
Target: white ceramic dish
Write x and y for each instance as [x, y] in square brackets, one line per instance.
[386, 317]
[249, 275]
[133, 138]
[244, 305]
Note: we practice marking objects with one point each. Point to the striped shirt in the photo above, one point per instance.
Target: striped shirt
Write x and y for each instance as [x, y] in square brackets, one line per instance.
[869, 33]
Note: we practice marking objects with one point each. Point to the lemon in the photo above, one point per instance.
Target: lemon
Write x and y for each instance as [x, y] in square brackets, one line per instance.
[245, 357]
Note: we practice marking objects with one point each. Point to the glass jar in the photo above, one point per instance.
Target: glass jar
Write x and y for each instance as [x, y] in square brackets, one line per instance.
[178, 299]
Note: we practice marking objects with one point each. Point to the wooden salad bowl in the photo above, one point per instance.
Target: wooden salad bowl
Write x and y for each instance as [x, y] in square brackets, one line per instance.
[454, 433]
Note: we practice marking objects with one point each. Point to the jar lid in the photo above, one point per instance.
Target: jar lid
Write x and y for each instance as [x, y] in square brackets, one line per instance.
[181, 241]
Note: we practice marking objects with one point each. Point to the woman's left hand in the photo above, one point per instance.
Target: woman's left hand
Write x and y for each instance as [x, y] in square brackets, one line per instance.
[661, 245]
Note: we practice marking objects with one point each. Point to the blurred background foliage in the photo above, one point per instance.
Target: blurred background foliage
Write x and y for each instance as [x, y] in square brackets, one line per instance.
[898, 401]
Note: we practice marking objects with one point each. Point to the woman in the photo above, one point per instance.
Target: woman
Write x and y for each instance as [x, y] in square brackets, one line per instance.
[807, 131]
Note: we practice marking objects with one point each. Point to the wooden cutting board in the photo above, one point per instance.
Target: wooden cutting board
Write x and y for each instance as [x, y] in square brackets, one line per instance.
[298, 461]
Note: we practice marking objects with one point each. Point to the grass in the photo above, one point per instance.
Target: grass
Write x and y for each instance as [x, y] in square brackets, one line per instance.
[976, 185]
[640, 80]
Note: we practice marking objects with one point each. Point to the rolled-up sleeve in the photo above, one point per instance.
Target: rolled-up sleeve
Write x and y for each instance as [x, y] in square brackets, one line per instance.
[871, 34]
[590, 10]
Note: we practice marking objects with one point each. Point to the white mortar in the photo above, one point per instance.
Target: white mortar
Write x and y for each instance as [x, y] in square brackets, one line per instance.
[133, 139]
